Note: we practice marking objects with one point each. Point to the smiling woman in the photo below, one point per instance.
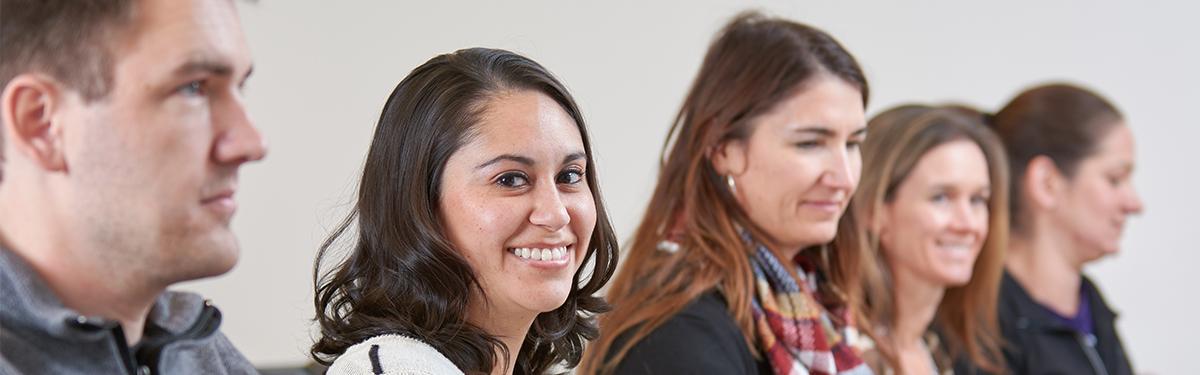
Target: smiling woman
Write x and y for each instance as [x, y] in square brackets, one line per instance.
[477, 208]
[935, 212]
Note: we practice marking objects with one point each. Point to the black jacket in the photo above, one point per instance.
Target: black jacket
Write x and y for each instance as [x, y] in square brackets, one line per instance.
[1039, 343]
[701, 339]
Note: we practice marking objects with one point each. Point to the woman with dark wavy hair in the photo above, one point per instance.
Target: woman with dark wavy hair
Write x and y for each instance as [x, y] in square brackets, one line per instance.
[477, 207]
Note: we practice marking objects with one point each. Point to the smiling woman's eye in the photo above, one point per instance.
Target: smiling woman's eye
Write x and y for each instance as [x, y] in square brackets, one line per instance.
[570, 176]
[512, 180]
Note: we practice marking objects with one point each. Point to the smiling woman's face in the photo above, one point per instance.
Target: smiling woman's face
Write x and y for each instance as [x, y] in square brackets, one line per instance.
[516, 205]
[937, 221]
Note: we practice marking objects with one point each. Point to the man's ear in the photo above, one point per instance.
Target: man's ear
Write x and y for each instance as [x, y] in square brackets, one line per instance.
[28, 104]
[729, 158]
[1043, 182]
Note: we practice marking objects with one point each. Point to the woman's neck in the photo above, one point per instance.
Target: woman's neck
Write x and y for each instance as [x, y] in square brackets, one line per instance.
[1043, 261]
[916, 303]
[510, 329]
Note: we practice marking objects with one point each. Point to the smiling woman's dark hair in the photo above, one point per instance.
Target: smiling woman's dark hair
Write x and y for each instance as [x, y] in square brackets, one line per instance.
[402, 274]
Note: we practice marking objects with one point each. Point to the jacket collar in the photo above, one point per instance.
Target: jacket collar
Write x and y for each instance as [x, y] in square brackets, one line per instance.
[30, 303]
[1033, 314]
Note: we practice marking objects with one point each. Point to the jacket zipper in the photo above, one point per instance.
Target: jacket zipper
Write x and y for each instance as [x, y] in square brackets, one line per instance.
[1088, 343]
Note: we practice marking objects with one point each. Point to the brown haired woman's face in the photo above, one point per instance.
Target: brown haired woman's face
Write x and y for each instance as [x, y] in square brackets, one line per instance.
[796, 172]
[937, 221]
[1094, 203]
[516, 205]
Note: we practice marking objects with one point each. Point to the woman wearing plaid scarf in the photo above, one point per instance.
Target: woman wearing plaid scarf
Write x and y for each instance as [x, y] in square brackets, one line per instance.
[732, 270]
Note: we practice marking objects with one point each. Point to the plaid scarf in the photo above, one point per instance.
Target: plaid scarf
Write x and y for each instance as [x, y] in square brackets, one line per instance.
[794, 329]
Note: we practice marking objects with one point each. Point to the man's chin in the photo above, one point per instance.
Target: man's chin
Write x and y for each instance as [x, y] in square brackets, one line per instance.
[214, 257]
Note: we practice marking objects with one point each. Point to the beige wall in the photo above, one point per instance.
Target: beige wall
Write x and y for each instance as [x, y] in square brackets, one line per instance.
[324, 69]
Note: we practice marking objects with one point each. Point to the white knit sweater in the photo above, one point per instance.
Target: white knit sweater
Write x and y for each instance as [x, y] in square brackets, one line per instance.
[394, 355]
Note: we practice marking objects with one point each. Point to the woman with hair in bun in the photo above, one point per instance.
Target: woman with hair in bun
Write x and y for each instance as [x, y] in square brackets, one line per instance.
[1072, 159]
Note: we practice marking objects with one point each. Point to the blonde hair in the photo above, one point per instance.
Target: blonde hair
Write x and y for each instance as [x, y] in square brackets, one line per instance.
[898, 138]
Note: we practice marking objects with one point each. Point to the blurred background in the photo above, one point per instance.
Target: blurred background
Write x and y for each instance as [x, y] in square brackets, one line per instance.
[323, 71]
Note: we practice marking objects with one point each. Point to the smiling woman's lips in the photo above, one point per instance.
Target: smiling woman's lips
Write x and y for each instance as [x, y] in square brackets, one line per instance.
[552, 257]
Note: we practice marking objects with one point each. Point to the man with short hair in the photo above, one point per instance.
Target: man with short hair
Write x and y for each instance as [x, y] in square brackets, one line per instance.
[123, 128]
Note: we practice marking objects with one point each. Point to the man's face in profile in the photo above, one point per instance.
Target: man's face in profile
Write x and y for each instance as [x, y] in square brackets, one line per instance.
[152, 167]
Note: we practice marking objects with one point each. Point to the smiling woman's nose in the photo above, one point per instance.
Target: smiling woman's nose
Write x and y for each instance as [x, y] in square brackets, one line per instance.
[548, 210]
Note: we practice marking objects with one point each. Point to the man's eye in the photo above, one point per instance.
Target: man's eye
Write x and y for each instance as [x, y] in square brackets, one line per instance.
[193, 88]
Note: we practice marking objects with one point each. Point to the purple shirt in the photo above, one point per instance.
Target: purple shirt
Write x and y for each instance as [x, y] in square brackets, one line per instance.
[1082, 321]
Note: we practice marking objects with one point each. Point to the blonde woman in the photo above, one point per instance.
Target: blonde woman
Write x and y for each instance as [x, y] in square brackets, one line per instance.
[934, 204]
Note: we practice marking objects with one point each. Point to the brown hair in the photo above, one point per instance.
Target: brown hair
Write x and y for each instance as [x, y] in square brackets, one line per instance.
[1060, 121]
[69, 40]
[899, 138]
[402, 274]
[65, 39]
[754, 63]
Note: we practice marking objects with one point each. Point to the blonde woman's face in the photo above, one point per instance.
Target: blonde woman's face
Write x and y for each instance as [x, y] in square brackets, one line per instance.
[936, 222]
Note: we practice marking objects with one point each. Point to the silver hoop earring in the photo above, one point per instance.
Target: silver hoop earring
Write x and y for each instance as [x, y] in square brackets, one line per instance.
[732, 185]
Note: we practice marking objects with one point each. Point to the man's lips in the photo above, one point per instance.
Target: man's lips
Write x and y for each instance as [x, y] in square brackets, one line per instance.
[222, 201]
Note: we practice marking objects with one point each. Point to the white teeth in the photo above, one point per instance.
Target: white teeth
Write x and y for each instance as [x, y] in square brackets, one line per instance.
[555, 254]
[956, 247]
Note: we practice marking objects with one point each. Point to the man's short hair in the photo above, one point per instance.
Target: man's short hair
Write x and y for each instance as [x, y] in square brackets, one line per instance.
[65, 39]
[69, 40]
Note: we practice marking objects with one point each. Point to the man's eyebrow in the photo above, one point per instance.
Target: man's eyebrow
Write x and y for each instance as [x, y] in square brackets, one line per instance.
[205, 65]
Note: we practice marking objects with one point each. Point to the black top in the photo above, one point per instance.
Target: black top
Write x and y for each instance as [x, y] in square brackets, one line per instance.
[701, 339]
[1041, 343]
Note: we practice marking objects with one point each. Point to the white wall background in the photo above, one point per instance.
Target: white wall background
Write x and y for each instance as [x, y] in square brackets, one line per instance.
[324, 70]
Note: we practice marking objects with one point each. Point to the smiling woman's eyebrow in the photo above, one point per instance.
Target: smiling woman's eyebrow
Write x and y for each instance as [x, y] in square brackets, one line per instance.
[574, 156]
[510, 157]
